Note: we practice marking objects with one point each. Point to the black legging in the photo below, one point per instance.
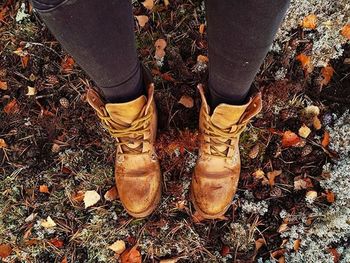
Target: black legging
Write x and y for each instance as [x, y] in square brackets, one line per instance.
[100, 36]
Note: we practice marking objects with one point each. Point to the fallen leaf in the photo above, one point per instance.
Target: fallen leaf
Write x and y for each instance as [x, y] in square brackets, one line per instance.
[31, 91]
[305, 63]
[325, 139]
[259, 243]
[64, 260]
[289, 139]
[55, 148]
[57, 242]
[142, 20]
[302, 183]
[166, 3]
[3, 85]
[67, 64]
[118, 246]
[43, 189]
[225, 250]
[148, 4]
[160, 45]
[48, 223]
[253, 153]
[159, 54]
[272, 175]
[169, 260]
[131, 255]
[202, 59]
[283, 227]
[346, 31]
[12, 107]
[5, 250]
[201, 29]
[311, 110]
[30, 218]
[3, 144]
[311, 195]
[186, 101]
[330, 197]
[334, 252]
[78, 197]
[304, 131]
[3, 13]
[111, 194]
[316, 123]
[91, 198]
[309, 22]
[296, 244]
[24, 61]
[327, 74]
[181, 204]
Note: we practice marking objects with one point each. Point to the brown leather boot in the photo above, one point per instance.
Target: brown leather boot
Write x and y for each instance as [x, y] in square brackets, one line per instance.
[217, 171]
[137, 172]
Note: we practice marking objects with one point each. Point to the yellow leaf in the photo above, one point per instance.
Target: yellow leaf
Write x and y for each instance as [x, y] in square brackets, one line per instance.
[187, 101]
[48, 223]
[118, 246]
[316, 123]
[148, 4]
[142, 20]
[311, 195]
[304, 131]
[91, 198]
[346, 31]
[309, 22]
[31, 91]
[259, 174]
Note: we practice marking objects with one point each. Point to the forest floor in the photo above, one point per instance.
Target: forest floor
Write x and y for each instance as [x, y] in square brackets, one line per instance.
[53, 150]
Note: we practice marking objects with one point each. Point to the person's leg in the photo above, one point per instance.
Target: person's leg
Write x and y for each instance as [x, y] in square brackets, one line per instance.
[240, 33]
[100, 37]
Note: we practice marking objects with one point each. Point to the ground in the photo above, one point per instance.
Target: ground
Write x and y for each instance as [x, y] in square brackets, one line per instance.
[52, 149]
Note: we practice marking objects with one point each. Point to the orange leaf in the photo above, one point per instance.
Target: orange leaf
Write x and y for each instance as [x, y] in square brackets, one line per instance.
[43, 189]
[309, 22]
[202, 59]
[111, 194]
[346, 31]
[330, 197]
[201, 29]
[3, 85]
[186, 101]
[289, 139]
[160, 44]
[142, 20]
[78, 197]
[3, 12]
[64, 260]
[5, 250]
[12, 107]
[131, 255]
[327, 73]
[296, 244]
[272, 175]
[148, 4]
[3, 144]
[57, 242]
[325, 140]
[24, 61]
[67, 64]
[305, 62]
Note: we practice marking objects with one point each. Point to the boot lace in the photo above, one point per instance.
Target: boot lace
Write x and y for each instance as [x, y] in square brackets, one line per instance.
[219, 137]
[130, 135]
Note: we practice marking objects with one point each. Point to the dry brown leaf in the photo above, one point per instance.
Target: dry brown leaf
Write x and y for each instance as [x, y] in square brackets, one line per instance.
[31, 91]
[64, 260]
[289, 139]
[142, 20]
[201, 29]
[259, 243]
[334, 252]
[272, 175]
[305, 63]
[3, 85]
[327, 74]
[304, 131]
[5, 250]
[48, 223]
[253, 153]
[43, 189]
[12, 107]
[78, 197]
[330, 197]
[284, 227]
[166, 3]
[302, 183]
[202, 59]
[3, 13]
[309, 22]
[118, 246]
[111, 194]
[91, 198]
[346, 31]
[325, 139]
[57, 242]
[316, 123]
[160, 44]
[149, 4]
[296, 244]
[3, 144]
[187, 101]
[67, 64]
[131, 255]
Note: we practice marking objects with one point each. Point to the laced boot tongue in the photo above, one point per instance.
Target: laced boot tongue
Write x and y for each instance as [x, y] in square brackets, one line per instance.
[224, 117]
[123, 115]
